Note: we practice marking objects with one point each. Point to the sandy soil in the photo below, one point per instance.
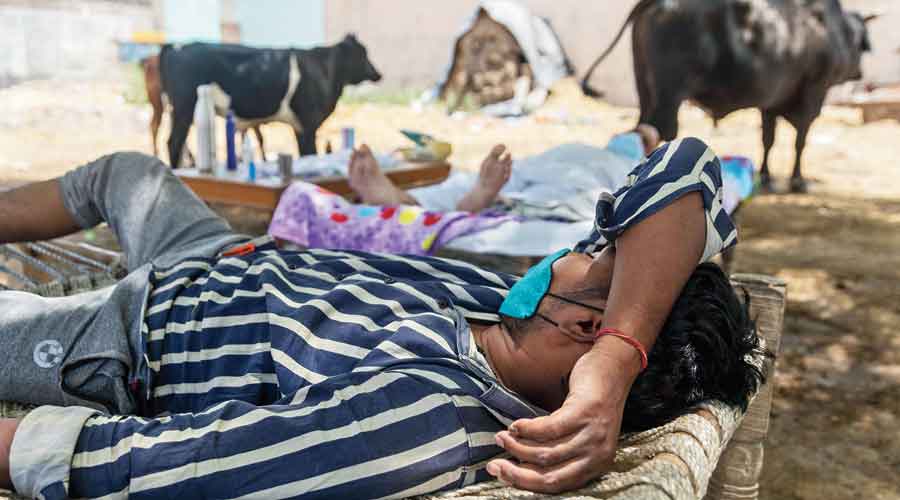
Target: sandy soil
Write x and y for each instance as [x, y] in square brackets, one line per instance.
[834, 432]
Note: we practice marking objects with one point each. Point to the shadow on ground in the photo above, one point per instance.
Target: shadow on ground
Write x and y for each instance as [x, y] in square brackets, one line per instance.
[837, 404]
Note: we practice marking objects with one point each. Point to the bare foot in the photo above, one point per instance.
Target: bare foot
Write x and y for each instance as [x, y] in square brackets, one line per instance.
[373, 187]
[494, 174]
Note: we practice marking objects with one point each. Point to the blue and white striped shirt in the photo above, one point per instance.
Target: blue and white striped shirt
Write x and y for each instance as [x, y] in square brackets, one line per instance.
[327, 374]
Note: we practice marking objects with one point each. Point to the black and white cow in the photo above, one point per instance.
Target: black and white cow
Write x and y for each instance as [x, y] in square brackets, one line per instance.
[293, 86]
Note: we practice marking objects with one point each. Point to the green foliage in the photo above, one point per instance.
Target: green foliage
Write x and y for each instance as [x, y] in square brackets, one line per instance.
[367, 94]
[135, 91]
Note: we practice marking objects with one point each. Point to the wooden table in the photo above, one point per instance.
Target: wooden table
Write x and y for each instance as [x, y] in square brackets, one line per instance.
[879, 104]
[265, 193]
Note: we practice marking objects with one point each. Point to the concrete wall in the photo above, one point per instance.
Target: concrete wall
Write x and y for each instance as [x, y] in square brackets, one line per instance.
[281, 23]
[43, 38]
[883, 64]
[192, 21]
[258, 23]
[410, 40]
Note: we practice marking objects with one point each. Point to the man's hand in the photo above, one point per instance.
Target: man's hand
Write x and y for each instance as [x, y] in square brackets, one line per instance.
[576, 443]
[7, 431]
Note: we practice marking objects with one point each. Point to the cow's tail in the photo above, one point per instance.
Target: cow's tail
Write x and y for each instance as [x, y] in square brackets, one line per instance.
[635, 12]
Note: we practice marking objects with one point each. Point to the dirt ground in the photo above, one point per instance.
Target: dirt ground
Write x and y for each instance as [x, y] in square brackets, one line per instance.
[834, 432]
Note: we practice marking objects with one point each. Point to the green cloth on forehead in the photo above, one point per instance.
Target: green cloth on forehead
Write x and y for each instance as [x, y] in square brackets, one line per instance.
[525, 296]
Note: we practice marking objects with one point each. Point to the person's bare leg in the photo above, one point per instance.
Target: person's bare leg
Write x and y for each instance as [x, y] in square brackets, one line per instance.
[494, 174]
[370, 183]
[34, 212]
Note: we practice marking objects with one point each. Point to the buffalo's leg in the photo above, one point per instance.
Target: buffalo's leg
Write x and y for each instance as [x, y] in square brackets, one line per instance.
[769, 123]
[798, 183]
[802, 117]
[181, 124]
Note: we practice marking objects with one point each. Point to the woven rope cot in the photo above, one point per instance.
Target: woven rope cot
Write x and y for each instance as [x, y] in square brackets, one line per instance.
[58, 268]
[715, 452]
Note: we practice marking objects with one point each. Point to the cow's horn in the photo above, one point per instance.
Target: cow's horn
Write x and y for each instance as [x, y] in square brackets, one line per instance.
[871, 17]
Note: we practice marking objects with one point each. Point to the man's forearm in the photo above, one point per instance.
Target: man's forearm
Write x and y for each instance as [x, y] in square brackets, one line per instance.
[654, 259]
[34, 212]
[7, 432]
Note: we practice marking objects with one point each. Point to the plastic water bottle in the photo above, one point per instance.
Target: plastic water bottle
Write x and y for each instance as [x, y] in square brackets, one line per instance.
[247, 158]
[348, 134]
[204, 120]
[231, 159]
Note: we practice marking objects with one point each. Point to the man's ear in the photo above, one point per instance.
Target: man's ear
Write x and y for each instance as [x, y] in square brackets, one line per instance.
[578, 324]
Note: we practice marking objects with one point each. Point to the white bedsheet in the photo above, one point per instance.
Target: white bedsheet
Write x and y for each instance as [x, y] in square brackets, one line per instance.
[528, 238]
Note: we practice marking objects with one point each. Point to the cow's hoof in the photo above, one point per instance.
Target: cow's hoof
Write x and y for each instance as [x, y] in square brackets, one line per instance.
[765, 185]
[798, 185]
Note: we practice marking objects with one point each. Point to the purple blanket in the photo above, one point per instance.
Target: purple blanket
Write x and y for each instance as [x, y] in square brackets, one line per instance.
[313, 217]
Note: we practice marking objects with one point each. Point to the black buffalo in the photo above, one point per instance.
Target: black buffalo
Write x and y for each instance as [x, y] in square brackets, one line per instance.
[293, 86]
[780, 56]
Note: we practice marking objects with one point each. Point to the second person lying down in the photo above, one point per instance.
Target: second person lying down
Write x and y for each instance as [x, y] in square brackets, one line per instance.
[541, 178]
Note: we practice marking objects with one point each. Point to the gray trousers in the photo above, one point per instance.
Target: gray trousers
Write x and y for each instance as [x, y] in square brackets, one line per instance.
[86, 349]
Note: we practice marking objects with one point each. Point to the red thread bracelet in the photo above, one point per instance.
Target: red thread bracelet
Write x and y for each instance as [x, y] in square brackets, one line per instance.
[633, 342]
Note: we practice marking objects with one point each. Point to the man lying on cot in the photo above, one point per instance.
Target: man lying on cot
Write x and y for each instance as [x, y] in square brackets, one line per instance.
[222, 367]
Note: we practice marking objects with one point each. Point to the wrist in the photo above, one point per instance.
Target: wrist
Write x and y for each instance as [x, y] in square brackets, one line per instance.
[628, 339]
[625, 358]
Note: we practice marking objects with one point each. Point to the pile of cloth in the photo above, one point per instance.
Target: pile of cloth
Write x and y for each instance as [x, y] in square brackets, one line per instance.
[545, 60]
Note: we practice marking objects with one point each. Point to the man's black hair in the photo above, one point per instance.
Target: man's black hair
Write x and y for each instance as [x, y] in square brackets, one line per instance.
[703, 352]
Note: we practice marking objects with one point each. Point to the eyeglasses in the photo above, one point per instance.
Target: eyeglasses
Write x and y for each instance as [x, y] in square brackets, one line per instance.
[601, 310]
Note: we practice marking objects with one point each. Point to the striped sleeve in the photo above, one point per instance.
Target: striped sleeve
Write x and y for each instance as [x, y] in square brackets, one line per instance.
[360, 435]
[678, 168]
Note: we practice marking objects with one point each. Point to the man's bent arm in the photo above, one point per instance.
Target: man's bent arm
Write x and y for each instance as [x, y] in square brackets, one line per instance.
[662, 224]
[653, 262]
[34, 212]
